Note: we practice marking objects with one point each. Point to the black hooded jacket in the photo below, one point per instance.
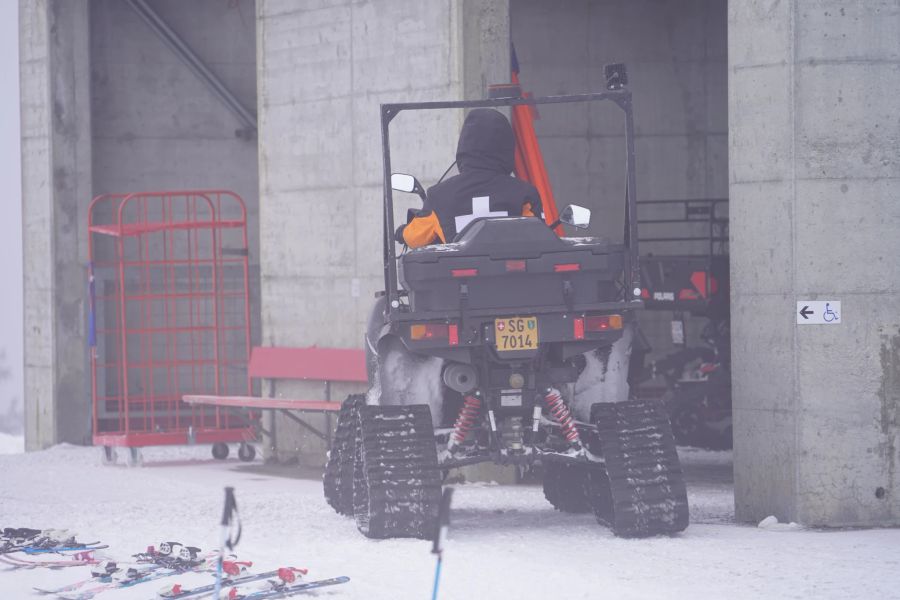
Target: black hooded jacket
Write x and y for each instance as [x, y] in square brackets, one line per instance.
[485, 157]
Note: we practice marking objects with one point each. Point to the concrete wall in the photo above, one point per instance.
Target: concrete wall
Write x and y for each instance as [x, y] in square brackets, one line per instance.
[676, 54]
[324, 68]
[56, 168]
[156, 124]
[814, 179]
[107, 107]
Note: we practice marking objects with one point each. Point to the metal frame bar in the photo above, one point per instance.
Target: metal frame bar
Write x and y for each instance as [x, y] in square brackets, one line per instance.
[189, 58]
[686, 200]
[257, 425]
[304, 424]
[711, 219]
[685, 239]
[621, 98]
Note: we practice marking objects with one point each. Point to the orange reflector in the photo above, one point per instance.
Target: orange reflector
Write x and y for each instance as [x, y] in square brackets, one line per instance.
[565, 267]
[603, 323]
[579, 328]
[464, 272]
[515, 265]
[429, 331]
[453, 335]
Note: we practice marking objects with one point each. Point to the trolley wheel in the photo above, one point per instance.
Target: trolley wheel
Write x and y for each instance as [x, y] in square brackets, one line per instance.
[220, 451]
[246, 452]
[134, 458]
[109, 455]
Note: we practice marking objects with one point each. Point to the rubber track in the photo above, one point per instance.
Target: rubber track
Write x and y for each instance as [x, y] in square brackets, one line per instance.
[338, 478]
[648, 492]
[397, 481]
[564, 487]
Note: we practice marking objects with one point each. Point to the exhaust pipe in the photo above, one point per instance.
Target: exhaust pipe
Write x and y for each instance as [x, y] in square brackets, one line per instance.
[460, 377]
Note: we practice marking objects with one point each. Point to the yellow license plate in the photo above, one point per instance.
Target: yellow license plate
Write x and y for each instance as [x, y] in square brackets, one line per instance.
[517, 333]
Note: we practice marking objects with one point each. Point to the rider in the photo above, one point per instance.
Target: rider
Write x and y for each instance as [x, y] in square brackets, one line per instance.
[485, 156]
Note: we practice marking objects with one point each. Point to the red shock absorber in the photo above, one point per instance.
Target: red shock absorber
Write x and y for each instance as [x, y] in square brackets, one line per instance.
[562, 414]
[468, 417]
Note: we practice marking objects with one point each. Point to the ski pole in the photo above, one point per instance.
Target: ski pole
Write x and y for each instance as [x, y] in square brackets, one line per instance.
[440, 536]
[229, 515]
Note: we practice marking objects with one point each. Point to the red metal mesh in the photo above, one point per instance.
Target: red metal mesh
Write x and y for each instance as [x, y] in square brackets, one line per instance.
[169, 315]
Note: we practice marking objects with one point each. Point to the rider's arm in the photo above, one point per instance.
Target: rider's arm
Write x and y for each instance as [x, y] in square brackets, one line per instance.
[423, 229]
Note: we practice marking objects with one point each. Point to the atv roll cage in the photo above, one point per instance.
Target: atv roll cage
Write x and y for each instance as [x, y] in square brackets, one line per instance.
[619, 97]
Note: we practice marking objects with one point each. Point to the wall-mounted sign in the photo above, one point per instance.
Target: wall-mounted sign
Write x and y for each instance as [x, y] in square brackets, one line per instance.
[819, 312]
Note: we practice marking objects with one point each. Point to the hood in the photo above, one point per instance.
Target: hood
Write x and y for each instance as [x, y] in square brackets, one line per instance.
[486, 142]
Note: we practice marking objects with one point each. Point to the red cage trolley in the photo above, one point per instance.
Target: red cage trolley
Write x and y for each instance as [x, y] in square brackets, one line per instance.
[169, 315]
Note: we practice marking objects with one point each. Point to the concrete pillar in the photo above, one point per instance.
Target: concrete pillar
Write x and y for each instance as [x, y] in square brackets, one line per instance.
[815, 181]
[56, 189]
[323, 72]
[484, 45]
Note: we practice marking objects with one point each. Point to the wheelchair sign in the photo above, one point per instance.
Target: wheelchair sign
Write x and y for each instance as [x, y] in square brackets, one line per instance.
[818, 312]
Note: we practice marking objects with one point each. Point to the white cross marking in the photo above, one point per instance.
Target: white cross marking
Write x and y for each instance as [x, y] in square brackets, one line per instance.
[481, 207]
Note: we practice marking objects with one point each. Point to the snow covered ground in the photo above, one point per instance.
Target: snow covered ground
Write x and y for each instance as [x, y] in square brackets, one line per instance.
[11, 444]
[506, 542]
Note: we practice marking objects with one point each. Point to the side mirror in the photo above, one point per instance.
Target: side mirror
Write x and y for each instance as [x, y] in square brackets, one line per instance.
[402, 182]
[576, 216]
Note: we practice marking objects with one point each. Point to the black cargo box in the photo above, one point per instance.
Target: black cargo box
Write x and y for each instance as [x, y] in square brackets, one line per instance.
[509, 263]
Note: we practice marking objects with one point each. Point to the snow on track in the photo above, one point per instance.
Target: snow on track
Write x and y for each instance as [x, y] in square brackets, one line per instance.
[506, 542]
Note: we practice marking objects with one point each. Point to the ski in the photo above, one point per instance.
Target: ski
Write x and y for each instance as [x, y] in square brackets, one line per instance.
[285, 574]
[76, 560]
[132, 577]
[72, 548]
[102, 571]
[11, 563]
[283, 591]
[167, 566]
[105, 572]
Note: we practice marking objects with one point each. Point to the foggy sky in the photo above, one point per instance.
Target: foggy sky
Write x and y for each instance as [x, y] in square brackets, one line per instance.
[11, 220]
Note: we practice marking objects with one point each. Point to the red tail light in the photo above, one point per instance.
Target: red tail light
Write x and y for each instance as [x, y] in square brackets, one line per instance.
[435, 331]
[603, 323]
[515, 265]
[429, 331]
[565, 267]
[464, 272]
[578, 328]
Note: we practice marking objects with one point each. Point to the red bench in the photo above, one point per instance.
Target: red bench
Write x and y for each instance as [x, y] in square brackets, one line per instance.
[329, 365]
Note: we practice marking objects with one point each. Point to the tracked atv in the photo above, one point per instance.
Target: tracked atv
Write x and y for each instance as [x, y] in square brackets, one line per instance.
[477, 351]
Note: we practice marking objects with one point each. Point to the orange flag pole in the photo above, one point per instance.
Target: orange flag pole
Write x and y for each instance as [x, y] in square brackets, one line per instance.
[529, 159]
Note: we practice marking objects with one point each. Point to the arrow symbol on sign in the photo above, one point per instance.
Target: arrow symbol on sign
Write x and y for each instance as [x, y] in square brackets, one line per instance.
[805, 312]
